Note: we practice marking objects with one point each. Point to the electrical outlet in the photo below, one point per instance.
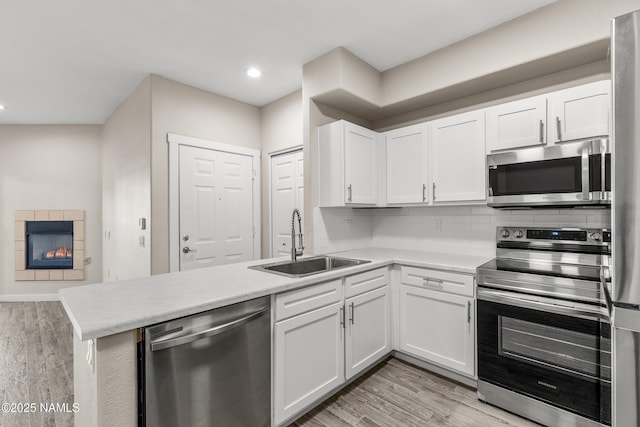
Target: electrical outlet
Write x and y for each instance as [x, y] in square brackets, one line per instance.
[348, 224]
[437, 225]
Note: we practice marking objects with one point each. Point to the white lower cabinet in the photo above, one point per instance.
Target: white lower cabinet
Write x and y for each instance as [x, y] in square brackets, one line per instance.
[322, 339]
[368, 332]
[438, 327]
[309, 359]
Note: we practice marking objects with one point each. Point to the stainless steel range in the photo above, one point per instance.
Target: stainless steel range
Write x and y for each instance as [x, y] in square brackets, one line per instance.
[544, 334]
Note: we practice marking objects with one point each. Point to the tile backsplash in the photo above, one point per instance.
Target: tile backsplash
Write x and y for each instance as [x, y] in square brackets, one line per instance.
[459, 229]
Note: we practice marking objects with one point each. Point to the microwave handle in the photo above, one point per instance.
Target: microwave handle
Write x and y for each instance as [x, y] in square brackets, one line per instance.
[603, 174]
[586, 193]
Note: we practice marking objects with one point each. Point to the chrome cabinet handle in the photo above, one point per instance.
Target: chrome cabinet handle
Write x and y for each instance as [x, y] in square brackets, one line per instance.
[424, 192]
[437, 283]
[349, 197]
[541, 131]
[434, 191]
[186, 250]
[559, 127]
[342, 317]
[351, 317]
[469, 312]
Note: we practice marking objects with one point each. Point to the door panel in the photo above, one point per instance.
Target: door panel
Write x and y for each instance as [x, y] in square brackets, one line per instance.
[287, 194]
[216, 207]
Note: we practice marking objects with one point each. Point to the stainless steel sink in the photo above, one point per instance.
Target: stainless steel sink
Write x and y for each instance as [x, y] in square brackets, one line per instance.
[308, 266]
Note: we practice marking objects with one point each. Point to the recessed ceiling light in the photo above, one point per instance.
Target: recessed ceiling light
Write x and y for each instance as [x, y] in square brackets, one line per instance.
[2, 107]
[254, 72]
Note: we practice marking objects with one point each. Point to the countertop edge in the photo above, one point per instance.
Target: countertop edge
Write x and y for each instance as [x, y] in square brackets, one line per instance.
[378, 257]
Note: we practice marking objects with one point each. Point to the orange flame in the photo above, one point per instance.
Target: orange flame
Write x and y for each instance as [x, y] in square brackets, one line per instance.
[61, 252]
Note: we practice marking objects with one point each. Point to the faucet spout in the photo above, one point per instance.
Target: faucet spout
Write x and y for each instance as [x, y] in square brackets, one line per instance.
[295, 253]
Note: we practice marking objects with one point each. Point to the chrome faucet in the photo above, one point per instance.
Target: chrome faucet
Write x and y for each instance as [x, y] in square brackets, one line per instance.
[295, 253]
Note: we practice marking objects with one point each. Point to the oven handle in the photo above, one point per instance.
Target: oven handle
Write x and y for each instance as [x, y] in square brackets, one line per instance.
[540, 303]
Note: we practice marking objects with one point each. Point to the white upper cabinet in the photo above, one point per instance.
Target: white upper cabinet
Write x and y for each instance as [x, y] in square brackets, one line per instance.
[407, 165]
[458, 158]
[347, 165]
[579, 112]
[517, 124]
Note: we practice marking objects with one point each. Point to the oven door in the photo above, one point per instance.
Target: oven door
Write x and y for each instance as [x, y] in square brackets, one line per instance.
[554, 352]
[569, 174]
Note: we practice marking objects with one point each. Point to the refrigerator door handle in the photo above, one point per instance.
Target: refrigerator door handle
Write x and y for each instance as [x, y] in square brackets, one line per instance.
[605, 291]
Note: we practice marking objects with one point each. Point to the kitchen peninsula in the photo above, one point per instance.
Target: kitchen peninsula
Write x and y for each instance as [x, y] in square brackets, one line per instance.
[106, 316]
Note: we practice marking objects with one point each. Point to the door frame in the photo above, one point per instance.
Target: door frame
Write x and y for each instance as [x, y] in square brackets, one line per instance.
[175, 141]
[270, 190]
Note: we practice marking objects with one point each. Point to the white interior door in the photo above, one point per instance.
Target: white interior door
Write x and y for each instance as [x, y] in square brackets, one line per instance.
[215, 207]
[287, 194]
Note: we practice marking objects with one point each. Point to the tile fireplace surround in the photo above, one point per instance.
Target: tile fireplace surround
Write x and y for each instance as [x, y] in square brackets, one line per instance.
[22, 273]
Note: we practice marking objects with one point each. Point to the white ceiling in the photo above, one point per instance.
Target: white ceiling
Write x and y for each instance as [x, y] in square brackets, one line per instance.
[75, 61]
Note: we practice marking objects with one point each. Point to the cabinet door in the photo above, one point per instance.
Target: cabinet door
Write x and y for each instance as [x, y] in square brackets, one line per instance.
[438, 327]
[309, 359]
[368, 336]
[517, 124]
[360, 165]
[579, 112]
[458, 158]
[407, 162]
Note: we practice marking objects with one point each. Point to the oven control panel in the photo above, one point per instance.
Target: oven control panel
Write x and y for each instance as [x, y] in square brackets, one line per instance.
[574, 235]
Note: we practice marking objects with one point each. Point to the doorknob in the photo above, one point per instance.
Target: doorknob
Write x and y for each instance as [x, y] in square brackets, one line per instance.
[186, 250]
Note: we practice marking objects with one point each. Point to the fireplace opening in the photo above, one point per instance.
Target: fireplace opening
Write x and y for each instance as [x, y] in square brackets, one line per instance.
[49, 245]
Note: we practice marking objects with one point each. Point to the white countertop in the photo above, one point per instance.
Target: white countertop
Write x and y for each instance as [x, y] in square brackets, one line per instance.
[109, 308]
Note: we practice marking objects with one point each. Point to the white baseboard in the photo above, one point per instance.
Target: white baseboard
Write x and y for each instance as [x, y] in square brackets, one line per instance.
[29, 297]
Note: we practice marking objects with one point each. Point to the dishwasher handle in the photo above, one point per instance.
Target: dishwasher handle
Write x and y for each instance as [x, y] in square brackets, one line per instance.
[218, 329]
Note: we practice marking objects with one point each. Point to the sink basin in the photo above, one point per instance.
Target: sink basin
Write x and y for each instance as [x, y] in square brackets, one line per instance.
[308, 266]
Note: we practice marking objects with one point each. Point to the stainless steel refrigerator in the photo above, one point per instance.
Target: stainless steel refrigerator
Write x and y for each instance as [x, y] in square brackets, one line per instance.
[625, 284]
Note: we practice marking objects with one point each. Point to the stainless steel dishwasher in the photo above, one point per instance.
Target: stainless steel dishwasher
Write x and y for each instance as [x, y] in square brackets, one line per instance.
[210, 369]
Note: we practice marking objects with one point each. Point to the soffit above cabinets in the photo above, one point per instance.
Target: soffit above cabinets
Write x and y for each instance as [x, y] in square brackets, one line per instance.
[584, 62]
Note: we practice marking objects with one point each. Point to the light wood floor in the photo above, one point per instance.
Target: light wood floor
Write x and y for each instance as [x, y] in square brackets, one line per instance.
[398, 394]
[36, 362]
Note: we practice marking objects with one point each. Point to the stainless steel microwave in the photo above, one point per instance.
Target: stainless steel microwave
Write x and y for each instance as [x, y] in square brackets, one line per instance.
[565, 175]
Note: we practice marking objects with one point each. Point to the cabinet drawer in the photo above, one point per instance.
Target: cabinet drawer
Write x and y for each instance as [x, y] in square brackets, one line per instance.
[365, 282]
[454, 283]
[306, 299]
